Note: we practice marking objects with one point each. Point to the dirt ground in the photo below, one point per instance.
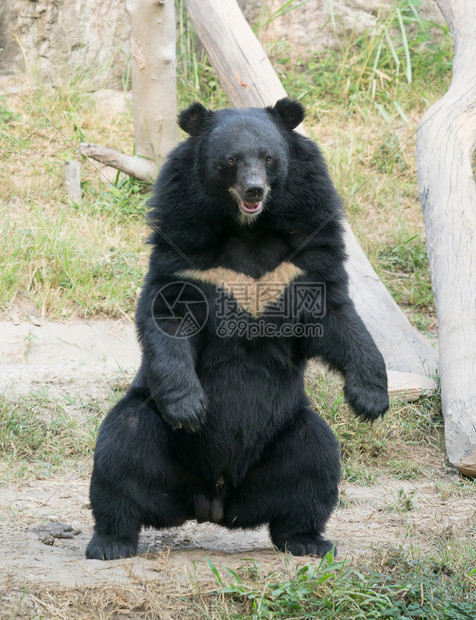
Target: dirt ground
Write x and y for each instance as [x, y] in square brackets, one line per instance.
[369, 519]
[76, 359]
[44, 576]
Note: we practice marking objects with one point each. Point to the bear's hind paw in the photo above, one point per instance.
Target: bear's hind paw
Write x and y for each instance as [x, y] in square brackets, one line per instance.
[109, 548]
[305, 544]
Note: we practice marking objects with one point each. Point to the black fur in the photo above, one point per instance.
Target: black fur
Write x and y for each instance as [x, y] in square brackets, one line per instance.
[193, 119]
[218, 427]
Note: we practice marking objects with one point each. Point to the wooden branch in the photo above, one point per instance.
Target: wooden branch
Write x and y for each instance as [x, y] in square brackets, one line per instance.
[137, 167]
[249, 79]
[445, 141]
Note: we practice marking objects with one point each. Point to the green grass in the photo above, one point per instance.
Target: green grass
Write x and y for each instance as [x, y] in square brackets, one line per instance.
[41, 437]
[398, 64]
[404, 268]
[123, 201]
[60, 262]
[370, 450]
[412, 587]
[196, 78]
[68, 259]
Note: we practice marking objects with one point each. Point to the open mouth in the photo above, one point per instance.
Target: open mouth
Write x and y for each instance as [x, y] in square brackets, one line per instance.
[251, 207]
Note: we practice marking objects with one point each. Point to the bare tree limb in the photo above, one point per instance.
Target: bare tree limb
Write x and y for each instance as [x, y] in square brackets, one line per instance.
[137, 167]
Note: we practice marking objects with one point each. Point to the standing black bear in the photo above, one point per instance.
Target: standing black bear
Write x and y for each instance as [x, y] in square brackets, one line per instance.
[246, 283]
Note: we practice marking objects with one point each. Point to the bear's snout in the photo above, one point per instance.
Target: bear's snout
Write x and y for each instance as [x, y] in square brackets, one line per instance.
[254, 193]
[250, 189]
[252, 196]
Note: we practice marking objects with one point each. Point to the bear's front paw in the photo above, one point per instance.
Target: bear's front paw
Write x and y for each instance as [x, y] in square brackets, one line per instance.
[368, 399]
[188, 412]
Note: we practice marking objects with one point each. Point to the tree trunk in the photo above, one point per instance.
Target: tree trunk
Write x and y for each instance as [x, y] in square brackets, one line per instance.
[241, 63]
[154, 95]
[249, 79]
[445, 141]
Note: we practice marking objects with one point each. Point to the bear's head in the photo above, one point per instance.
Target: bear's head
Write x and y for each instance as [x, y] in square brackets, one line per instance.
[243, 153]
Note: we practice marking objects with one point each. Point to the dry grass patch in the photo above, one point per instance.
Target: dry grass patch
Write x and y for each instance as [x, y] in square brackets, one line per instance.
[83, 260]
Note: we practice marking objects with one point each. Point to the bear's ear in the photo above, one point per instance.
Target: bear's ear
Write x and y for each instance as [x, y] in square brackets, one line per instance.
[193, 119]
[290, 112]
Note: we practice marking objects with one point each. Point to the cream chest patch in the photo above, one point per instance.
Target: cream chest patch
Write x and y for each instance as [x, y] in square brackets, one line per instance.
[251, 294]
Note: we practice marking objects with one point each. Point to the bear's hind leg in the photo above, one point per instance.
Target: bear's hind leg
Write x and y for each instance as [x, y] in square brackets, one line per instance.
[134, 479]
[116, 532]
[294, 488]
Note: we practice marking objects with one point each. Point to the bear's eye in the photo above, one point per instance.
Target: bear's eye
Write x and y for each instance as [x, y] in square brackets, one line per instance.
[231, 161]
[268, 159]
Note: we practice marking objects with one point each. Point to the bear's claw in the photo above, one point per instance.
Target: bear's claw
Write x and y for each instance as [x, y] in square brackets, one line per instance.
[188, 413]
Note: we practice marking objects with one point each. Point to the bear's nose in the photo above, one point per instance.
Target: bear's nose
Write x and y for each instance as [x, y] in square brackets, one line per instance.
[254, 193]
